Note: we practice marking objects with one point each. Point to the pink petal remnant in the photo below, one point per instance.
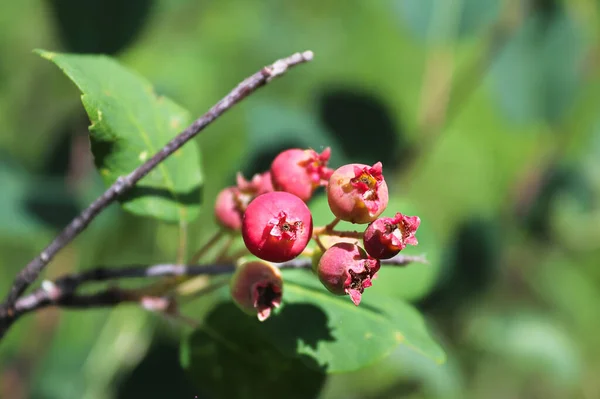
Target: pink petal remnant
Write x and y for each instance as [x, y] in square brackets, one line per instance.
[266, 296]
[400, 230]
[316, 166]
[346, 269]
[256, 288]
[367, 179]
[385, 237]
[357, 193]
[259, 184]
[357, 281]
[300, 171]
[285, 228]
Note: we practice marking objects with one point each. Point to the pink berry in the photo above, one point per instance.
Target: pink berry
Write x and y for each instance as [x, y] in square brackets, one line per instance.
[277, 226]
[346, 269]
[357, 193]
[385, 237]
[260, 183]
[256, 288]
[232, 201]
[300, 172]
[227, 210]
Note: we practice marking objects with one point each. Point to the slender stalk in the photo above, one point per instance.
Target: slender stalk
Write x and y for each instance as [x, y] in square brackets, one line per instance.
[206, 247]
[222, 256]
[183, 241]
[344, 234]
[62, 292]
[319, 243]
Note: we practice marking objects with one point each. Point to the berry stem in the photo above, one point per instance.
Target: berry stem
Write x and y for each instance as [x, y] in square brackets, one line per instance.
[63, 292]
[206, 247]
[344, 234]
[183, 241]
[332, 225]
[204, 287]
[319, 243]
[308, 252]
[222, 257]
[327, 228]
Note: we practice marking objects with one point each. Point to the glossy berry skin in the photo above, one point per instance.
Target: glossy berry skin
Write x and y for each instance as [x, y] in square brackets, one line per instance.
[386, 237]
[277, 226]
[357, 193]
[232, 201]
[300, 172]
[256, 288]
[346, 269]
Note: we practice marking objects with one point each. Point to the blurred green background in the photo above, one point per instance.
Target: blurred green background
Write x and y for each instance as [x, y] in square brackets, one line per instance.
[483, 112]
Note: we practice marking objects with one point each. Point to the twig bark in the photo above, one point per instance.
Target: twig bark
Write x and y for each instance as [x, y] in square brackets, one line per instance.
[62, 292]
[124, 183]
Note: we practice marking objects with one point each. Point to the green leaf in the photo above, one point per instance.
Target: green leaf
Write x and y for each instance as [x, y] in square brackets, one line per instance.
[230, 357]
[434, 19]
[327, 333]
[340, 336]
[529, 343]
[530, 82]
[130, 123]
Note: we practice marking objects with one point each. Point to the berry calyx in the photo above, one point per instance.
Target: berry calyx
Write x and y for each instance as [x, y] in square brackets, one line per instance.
[232, 201]
[357, 193]
[256, 288]
[346, 269]
[300, 172]
[277, 226]
[259, 184]
[386, 237]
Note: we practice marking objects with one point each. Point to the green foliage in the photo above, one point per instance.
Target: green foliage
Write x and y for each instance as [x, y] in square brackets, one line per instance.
[230, 356]
[531, 81]
[130, 123]
[507, 187]
[311, 334]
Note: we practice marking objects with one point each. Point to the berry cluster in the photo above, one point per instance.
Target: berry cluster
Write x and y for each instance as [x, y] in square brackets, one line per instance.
[271, 213]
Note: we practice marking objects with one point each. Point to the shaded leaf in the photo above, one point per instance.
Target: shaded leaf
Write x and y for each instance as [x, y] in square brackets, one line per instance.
[327, 333]
[129, 125]
[340, 336]
[429, 18]
[274, 127]
[231, 357]
[537, 75]
[99, 26]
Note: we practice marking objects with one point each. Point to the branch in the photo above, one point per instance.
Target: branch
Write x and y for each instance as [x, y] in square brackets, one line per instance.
[124, 183]
[62, 291]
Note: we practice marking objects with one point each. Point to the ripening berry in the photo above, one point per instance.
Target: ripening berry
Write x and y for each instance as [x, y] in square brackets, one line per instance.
[385, 237]
[260, 184]
[256, 288]
[277, 226]
[227, 210]
[232, 201]
[300, 172]
[357, 193]
[346, 268]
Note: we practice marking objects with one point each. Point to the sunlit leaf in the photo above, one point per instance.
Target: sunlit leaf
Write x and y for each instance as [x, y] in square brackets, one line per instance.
[130, 123]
